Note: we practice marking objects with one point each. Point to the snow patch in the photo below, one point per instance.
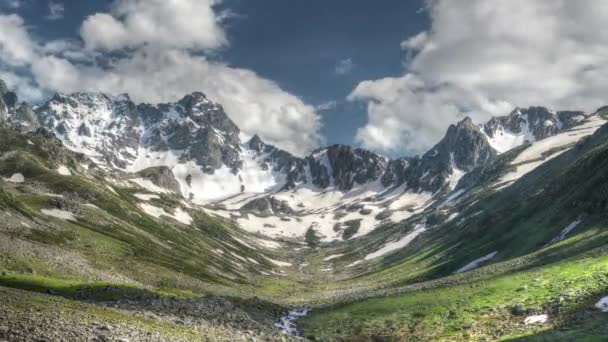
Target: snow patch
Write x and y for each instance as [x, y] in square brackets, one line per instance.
[156, 212]
[148, 185]
[331, 257]
[61, 214]
[112, 190]
[182, 216]
[278, 263]
[354, 263]
[452, 197]
[399, 244]
[64, 171]
[565, 232]
[602, 304]
[475, 263]
[15, 178]
[146, 197]
[536, 319]
[452, 216]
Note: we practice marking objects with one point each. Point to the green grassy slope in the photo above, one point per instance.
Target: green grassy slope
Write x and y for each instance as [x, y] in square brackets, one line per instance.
[427, 302]
[115, 251]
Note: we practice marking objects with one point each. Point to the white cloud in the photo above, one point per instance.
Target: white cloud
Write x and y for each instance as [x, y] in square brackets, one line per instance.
[56, 10]
[16, 46]
[344, 66]
[331, 104]
[158, 69]
[188, 24]
[255, 104]
[483, 58]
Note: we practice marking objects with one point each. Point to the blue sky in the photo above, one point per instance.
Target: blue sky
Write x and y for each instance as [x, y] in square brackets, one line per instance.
[298, 44]
[389, 75]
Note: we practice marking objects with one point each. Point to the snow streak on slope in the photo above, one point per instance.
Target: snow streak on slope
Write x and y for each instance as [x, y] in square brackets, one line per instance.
[399, 244]
[477, 262]
[540, 151]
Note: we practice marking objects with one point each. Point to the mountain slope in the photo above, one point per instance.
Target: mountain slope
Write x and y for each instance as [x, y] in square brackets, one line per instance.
[169, 209]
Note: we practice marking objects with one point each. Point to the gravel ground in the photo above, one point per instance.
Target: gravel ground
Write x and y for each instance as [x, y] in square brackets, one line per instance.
[27, 316]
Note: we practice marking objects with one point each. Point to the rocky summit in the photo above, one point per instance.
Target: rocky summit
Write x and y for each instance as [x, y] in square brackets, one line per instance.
[165, 222]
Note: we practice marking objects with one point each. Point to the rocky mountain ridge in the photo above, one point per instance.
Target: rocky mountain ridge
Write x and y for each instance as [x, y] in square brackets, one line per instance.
[196, 140]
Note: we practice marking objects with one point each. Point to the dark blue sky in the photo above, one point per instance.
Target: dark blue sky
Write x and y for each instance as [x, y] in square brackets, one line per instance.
[294, 43]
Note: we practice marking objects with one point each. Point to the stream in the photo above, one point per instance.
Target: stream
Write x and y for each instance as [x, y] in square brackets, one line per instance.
[287, 323]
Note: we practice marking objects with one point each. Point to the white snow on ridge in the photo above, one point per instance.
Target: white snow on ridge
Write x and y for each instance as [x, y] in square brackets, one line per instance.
[532, 157]
[475, 263]
[562, 139]
[504, 140]
[399, 244]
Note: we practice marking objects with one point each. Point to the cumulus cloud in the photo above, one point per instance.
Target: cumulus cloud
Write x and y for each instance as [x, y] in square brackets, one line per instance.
[159, 65]
[482, 58]
[188, 24]
[16, 46]
[255, 104]
[344, 66]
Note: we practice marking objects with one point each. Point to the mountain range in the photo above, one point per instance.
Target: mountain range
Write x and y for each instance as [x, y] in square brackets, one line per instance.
[120, 209]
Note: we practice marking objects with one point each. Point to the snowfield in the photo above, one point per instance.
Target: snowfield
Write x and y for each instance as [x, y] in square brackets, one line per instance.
[535, 155]
[324, 210]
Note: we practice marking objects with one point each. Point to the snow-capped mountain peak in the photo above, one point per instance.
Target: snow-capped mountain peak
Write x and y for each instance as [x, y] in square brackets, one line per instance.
[527, 125]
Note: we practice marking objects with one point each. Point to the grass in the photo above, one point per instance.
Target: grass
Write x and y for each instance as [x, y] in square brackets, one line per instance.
[79, 289]
[474, 310]
[413, 294]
